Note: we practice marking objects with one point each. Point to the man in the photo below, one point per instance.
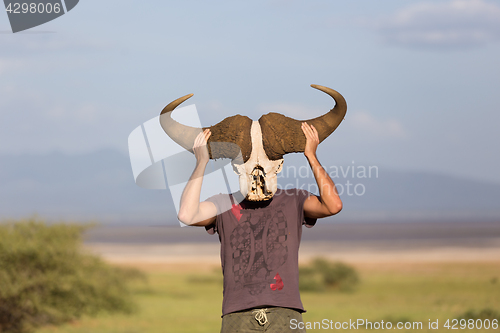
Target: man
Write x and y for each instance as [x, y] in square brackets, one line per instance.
[259, 242]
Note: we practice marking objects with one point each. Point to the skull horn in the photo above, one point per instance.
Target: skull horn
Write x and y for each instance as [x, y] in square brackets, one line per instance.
[229, 139]
[181, 134]
[282, 135]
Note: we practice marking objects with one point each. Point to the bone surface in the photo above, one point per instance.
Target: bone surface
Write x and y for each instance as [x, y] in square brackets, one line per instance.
[258, 180]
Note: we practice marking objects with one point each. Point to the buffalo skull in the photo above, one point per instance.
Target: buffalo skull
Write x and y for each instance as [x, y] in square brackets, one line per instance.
[256, 148]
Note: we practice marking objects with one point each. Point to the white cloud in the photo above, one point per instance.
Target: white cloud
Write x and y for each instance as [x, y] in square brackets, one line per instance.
[453, 24]
[365, 124]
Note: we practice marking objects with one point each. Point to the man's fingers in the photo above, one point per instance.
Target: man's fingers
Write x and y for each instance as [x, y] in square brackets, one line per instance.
[304, 128]
[310, 132]
[315, 132]
[197, 140]
[207, 134]
[307, 130]
[200, 140]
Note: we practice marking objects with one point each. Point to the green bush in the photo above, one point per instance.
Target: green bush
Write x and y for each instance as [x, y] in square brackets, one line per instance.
[483, 314]
[323, 275]
[45, 278]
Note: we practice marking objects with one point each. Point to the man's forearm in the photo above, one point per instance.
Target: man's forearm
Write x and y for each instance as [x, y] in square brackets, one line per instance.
[190, 199]
[329, 196]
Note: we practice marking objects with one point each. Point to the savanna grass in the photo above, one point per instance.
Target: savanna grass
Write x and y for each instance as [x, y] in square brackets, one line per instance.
[190, 300]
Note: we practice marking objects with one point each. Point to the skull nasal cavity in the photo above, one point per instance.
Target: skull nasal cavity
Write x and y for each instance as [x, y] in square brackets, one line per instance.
[258, 171]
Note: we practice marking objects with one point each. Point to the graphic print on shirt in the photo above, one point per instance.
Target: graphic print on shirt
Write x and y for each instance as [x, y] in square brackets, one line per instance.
[259, 247]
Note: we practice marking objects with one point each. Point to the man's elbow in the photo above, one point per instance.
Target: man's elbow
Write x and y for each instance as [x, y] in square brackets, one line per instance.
[335, 208]
[185, 218]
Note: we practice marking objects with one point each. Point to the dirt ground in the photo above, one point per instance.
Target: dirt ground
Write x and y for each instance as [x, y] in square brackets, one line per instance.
[204, 256]
[360, 244]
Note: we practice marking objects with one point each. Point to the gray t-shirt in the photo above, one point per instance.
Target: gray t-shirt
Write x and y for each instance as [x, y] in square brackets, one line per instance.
[259, 250]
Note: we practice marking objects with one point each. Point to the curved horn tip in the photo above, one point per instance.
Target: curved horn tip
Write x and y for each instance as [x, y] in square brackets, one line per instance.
[321, 88]
[172, 105]
[183, 98]
[188, 96]
[333, 93]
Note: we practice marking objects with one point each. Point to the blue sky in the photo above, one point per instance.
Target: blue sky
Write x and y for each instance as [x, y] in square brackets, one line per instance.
[420, 78]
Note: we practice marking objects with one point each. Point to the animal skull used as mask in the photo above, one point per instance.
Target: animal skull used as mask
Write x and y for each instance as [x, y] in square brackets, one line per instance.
[258, 175]
[256, 148]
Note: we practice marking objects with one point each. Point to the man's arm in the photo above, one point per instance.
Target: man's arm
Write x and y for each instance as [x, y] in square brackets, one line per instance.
[328, 203]
[191, 210]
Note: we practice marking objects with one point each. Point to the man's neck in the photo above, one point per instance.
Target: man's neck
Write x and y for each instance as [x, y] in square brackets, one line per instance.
[247, 204]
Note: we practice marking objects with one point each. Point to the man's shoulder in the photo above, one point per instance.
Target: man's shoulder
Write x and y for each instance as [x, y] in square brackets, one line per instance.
[217, 197]
[222, 202]
[291, 196]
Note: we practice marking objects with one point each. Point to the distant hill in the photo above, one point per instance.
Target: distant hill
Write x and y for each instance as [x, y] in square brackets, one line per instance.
[410, 195]
[100, 186]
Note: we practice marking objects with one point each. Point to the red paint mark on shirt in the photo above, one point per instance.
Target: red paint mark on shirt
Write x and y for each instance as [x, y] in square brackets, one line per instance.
[236, 210]
[279, 283]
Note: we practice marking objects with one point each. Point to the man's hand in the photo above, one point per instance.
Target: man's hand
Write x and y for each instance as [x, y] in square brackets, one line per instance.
[312, 140]
[200, 147]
